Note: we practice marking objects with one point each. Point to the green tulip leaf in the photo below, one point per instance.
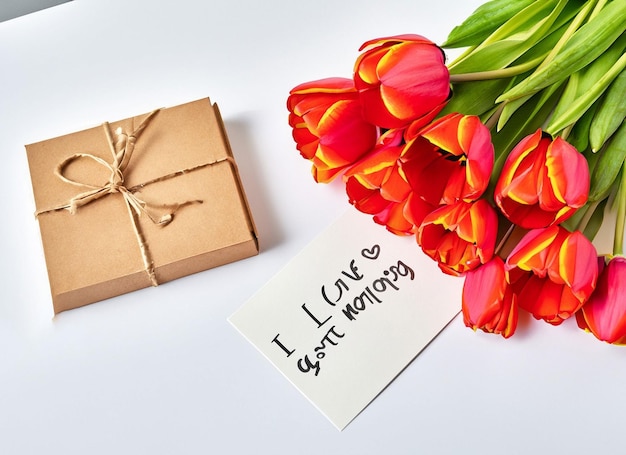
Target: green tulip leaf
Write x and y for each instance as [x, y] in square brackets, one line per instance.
[513, 39]
[569, 95]
[592, 159]
[525, 121]
[573, 221]
[483, 21]
[509, 109]
[610, 113]
[610, 161]
[585, 86]
[595, 220]
[540, 50]
[512, 106]
[579, 135]
[587, 98]
[584, 46]
[590, 216]
[476, 97]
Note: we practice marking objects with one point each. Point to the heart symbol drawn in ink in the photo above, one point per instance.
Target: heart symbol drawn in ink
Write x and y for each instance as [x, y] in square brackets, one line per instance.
[371, 253]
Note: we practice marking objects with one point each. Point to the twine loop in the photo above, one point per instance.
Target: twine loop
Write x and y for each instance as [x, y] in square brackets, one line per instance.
[122, 149]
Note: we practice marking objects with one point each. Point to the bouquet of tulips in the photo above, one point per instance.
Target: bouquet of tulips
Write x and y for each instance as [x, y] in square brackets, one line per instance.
[500, 163]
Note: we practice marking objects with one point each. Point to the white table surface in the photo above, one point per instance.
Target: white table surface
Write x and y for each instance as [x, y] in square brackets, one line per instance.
[161, 371]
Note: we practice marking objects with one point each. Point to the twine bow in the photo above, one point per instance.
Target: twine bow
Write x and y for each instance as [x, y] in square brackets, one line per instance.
[122, 150]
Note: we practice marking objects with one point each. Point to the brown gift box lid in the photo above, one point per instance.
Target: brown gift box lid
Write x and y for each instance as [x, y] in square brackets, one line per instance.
[183, 157]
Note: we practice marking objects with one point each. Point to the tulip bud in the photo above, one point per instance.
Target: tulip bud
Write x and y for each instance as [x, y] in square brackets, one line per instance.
[451, 160]
[328, 126]
[401, 79]
[543, 182]
[377, 185]
[604, 314]
[459, 236]
[488, 301]
[553, 272]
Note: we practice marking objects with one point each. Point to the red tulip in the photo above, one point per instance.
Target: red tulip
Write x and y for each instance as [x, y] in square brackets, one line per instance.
[459, 236]
[377, 185]
[553, 272]
[604, 314]
[543, 182]
[488, 301]
[453, 160]
[401, 79]
[328, 127]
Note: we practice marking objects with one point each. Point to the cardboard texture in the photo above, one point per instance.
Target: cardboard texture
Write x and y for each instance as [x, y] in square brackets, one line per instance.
[183, 157]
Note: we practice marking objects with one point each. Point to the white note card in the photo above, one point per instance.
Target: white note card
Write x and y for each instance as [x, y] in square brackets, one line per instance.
[349, 313]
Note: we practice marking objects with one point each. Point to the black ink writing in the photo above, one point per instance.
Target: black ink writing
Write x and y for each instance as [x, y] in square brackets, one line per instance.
[351, 294]
[282, 346]
[371, 253]
[306, 365]
[341, 285]
[319, 350]
[379, 286]
[359, 303]
[312, 316]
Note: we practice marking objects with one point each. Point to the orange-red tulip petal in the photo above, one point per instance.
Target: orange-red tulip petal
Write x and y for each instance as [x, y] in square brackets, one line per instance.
[553, 272]
[401, 79]
[604, 314]
[459, 236]
[377, 185]
[328, 126]
[543, 182]
[488, 303]
[461, 158]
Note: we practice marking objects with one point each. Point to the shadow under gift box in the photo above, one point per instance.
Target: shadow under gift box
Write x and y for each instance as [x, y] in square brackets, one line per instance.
[96, 252]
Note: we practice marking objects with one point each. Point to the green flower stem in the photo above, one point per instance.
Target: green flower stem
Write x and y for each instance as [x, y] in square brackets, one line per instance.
[566, 131]
[597, 9]
[497, 74]
[571, 29]
[618, 241]
[582, 224]
[492, 121]
[585, 100]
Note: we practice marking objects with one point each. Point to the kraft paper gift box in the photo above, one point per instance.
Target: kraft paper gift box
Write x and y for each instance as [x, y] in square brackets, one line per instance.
[138, 202]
